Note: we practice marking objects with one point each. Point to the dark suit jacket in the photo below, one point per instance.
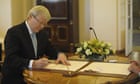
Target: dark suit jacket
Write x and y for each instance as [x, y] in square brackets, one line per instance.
[19, 51]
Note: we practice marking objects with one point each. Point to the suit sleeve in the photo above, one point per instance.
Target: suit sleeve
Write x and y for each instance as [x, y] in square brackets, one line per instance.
[14, 59]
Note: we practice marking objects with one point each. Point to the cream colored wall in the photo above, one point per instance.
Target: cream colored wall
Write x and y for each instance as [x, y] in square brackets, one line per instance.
[20, 9]
[12, 12]
[28, 4]
[104, 16]
[83, 28]
[122, 15]
[5, 18]
[17, 11]
[84, 19]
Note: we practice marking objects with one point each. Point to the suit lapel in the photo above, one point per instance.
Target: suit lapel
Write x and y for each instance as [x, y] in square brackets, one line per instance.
[28, 41]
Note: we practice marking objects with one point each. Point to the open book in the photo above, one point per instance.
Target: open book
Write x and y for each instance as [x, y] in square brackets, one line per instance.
[95, 67]
[75, 65]
[110, 68]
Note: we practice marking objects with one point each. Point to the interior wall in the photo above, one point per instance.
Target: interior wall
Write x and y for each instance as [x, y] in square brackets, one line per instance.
[108, 18]
[17, 11]
[121, 24]
[106, 21]
[20, 9]
[5, 18]
[103, 18]
[28, 4]
[82, 21]
[12, 13]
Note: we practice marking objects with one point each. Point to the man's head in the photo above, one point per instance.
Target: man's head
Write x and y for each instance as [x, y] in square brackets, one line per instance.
[38, 18]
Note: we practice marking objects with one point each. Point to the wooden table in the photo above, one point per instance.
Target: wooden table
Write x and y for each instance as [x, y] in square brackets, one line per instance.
[50, 77]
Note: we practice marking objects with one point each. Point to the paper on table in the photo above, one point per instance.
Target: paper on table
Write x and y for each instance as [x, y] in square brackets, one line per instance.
[75, 65]
[111, 68]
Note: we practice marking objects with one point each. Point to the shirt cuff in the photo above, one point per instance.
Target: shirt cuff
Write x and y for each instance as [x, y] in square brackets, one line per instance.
[139, 74]
[31, 63]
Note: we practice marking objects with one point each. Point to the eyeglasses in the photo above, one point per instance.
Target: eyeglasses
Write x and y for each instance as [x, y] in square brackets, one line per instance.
[41, 23]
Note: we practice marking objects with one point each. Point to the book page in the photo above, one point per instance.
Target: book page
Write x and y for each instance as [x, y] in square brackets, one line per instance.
[111, 68]
[75, 65]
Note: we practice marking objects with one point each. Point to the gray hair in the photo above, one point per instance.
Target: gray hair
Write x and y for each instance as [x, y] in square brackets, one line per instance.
[40, 10]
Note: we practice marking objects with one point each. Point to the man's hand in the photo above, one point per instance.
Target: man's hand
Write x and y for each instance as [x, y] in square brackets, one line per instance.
[62, 58]
[40, 63]
[134, 67]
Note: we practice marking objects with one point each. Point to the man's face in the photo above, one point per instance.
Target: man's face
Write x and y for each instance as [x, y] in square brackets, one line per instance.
[38, 23]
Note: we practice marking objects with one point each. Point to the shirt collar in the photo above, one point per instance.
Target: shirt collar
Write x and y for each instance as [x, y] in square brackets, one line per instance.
[28, 27]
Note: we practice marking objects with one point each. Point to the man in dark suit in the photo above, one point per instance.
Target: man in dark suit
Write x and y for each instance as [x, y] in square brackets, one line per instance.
[24, 51]
[135, 68]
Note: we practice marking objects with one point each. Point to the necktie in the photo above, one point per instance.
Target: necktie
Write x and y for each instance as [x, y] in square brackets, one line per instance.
[34, 41]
